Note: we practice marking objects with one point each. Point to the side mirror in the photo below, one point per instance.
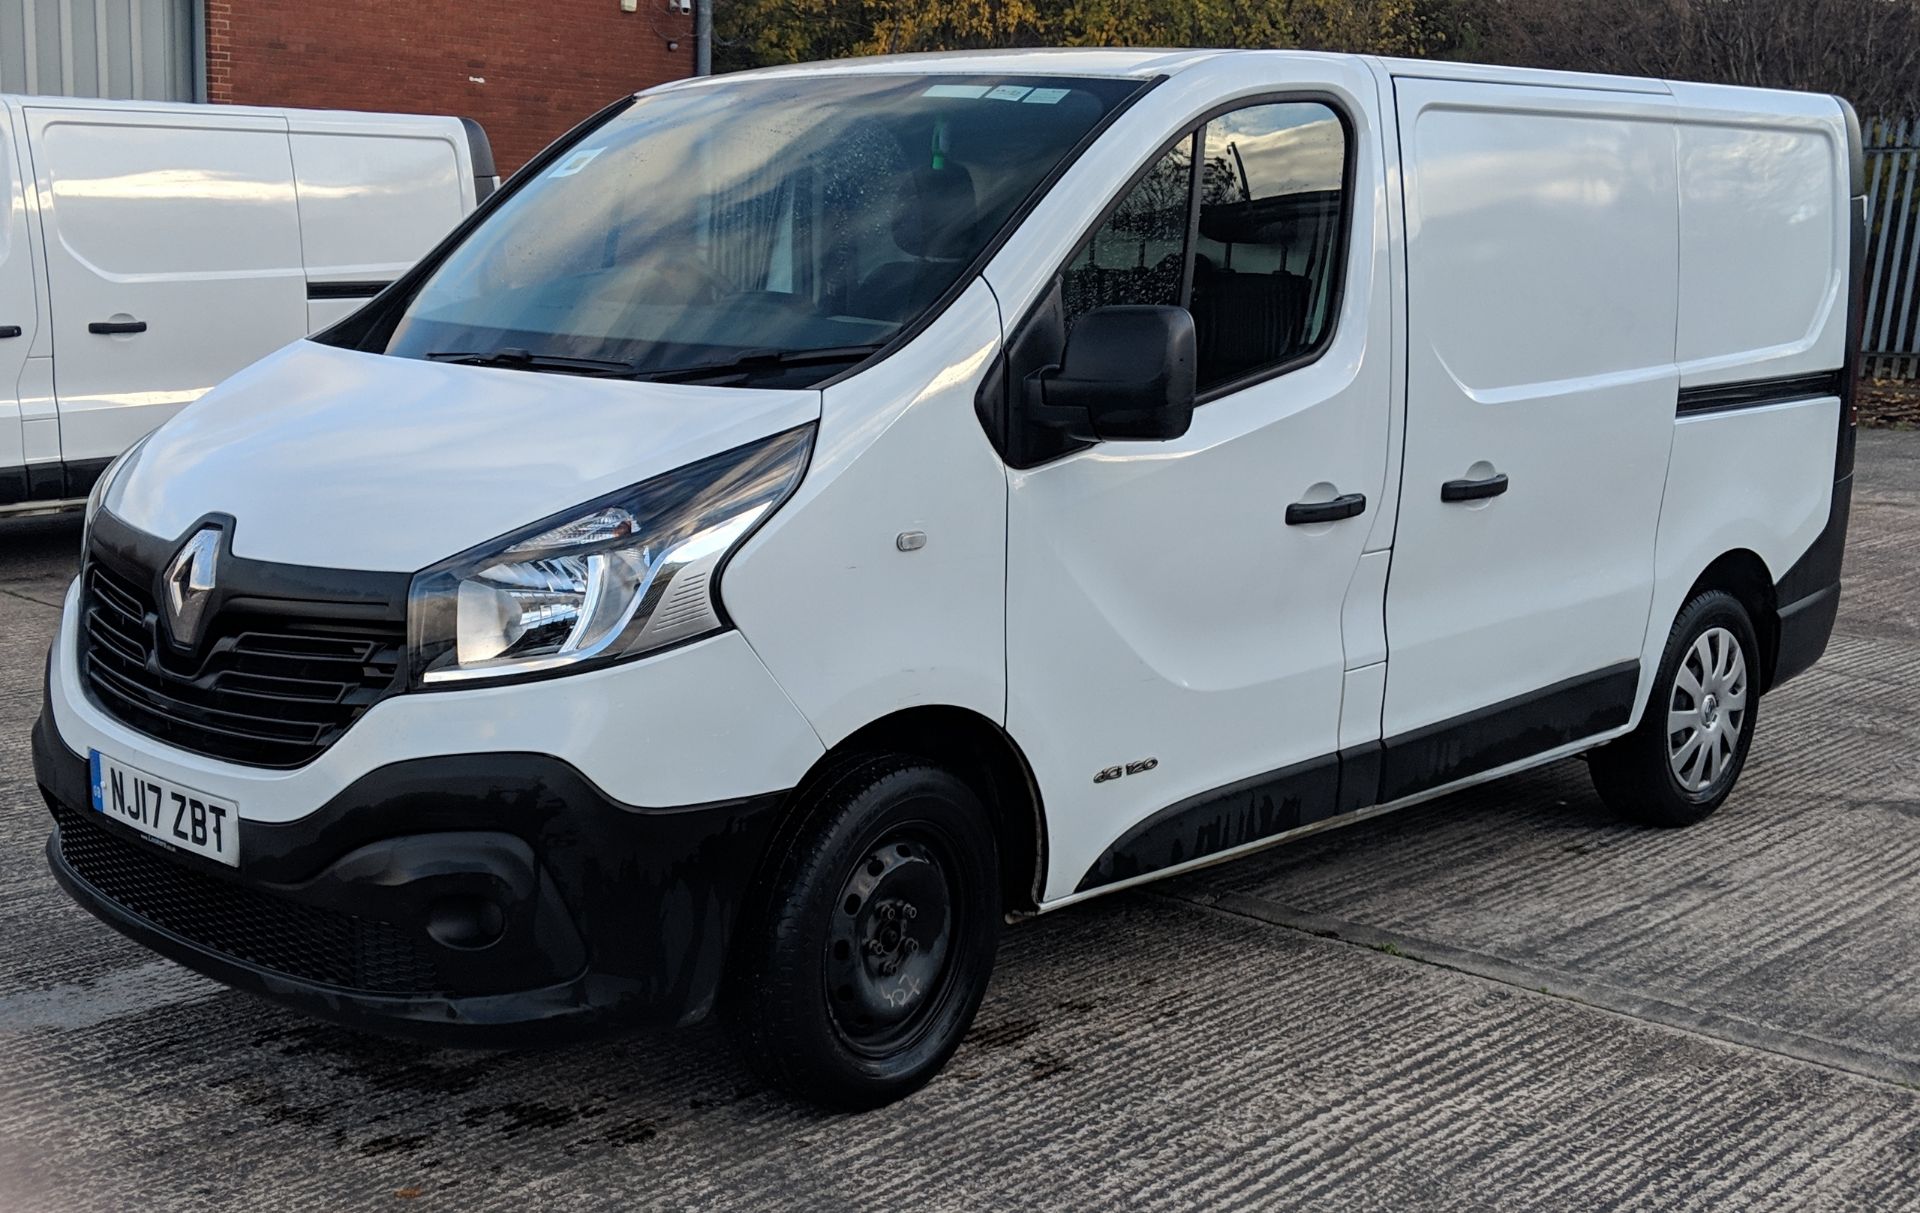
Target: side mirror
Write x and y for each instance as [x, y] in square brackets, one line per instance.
[1127, 373]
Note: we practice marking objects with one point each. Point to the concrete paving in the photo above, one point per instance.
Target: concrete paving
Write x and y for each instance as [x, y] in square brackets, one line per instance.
[1504, 999]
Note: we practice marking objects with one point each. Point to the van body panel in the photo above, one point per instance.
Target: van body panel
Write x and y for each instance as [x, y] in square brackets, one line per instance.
[899, 453]
[1775, 507]
[1541, 248]
[1381, 531]
[373, 194]
[283, 449]
[212, 266]
[1763, 248]
[39, 420]
[1160, 610]
[1529, 77]
[19, 308]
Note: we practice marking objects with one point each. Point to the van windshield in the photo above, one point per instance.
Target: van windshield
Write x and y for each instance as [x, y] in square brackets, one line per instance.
[769, 232]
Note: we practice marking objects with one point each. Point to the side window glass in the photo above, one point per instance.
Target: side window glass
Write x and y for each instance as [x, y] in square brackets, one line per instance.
[1267, 261]
[1138, 255]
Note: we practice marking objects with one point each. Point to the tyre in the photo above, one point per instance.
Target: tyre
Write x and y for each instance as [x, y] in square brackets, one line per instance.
[861, 966]
[1682, 761]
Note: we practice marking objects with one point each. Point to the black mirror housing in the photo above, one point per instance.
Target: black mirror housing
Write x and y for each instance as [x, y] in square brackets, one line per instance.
[1128, 374]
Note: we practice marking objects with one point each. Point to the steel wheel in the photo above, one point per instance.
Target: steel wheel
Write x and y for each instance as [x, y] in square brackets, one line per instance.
[869, 949]
[887, 948]
[1707, 710]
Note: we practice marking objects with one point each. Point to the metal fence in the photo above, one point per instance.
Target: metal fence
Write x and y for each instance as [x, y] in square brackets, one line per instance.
[1890, 335]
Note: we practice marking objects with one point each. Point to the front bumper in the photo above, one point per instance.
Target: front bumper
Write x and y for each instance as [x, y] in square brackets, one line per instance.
[489, 899]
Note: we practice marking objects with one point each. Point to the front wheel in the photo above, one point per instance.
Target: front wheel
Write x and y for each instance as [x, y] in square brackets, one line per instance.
[871, 946]
[1681, 763]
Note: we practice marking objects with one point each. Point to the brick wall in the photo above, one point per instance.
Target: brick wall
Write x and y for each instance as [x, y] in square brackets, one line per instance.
[527, 69]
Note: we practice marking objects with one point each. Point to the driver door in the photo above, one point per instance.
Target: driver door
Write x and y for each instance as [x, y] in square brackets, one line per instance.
[1176, 663]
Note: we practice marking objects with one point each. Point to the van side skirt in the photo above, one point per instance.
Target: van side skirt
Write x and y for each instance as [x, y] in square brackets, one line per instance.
[1360, 777]
[45, 483]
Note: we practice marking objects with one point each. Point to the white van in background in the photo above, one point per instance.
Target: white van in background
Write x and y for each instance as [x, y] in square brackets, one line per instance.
[811, 514]
[148, 251]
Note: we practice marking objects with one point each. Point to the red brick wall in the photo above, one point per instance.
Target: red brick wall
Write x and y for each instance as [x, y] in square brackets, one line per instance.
[527, 69]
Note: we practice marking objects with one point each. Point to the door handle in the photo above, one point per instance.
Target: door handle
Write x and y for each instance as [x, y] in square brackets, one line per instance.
[1474, 490]
[1346, 506]
[9, 330]
[111, 327]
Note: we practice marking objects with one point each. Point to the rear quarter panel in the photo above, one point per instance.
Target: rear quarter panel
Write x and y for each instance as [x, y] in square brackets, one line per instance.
[377, 192]
[1764, 257]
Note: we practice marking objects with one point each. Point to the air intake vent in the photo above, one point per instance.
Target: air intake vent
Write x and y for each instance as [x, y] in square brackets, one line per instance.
[267, 689]
[302, 941]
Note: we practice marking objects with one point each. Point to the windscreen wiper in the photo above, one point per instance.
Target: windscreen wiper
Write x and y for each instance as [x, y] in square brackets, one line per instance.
[514, 359]
[747, 363]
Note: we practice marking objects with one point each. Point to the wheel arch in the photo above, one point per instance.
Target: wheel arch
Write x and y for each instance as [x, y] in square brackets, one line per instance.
[978, 751]
[1742, 573]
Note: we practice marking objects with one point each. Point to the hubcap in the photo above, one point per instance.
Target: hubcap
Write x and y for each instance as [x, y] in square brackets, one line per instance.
[1706, 710]
[888, 946]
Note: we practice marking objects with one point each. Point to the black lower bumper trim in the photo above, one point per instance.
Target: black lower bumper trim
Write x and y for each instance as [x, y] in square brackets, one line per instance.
[1805, 627]
[1809, 592]
[481, 899]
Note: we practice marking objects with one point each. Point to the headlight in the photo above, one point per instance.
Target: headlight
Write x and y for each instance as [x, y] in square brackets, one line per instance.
[100, 488]
[615, 578]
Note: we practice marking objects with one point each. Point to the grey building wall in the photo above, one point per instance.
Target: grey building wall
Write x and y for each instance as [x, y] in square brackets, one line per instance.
[125, 49]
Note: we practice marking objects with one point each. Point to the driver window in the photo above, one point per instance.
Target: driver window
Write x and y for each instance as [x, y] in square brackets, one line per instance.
[1266, 260]
[1268, 245]
[1138, 255]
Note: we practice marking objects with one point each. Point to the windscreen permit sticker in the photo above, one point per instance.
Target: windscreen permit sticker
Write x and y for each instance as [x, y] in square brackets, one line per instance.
[1008, 92]
[1046, 96]
[580, 159]
[955, 90]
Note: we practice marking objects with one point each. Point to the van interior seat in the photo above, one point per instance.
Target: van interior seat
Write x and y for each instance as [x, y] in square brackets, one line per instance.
[934, 219]
[1246, 320]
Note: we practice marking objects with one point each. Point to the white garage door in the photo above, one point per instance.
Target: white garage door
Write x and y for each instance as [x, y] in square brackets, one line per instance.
[119, 49]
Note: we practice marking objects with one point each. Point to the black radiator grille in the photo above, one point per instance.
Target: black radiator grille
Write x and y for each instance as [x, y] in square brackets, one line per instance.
[271, 690]
[301, 941]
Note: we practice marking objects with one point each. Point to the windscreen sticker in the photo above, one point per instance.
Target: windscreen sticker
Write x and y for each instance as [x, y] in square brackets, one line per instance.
[1046, 96]
[580, 159]
[955, 90]
[1008, 92]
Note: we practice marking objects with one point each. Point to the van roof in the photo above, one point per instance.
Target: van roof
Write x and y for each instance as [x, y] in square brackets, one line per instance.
[203, 109]
[1042, 61]
[1146, 62]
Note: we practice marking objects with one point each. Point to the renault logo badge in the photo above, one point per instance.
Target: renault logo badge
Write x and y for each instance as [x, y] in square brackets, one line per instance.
[189, 585]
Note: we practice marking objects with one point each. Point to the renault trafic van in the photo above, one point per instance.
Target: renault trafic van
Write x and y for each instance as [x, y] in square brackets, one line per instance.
[148, 251]
[812, 515]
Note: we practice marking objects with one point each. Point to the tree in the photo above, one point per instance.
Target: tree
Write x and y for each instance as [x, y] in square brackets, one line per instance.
[756, 32]
[1867, 51]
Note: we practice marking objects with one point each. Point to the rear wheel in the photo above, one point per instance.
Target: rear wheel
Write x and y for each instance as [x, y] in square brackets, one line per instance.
[1682, 761]
[872, 946]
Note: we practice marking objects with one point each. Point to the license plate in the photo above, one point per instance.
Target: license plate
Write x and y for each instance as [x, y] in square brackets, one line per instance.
[159, 808]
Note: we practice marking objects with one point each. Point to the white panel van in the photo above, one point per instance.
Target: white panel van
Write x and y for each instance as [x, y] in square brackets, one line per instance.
[812, 515]
[148, 251]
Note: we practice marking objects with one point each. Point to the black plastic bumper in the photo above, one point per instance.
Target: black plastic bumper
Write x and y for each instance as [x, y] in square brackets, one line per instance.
[1809, 593]
[479, 899]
